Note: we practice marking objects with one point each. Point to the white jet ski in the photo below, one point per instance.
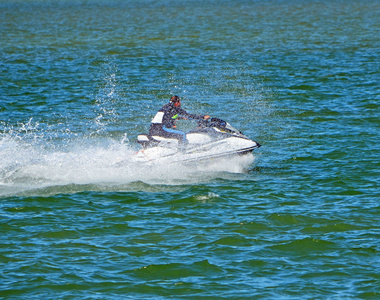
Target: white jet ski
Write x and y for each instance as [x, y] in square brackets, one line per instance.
[212, 139]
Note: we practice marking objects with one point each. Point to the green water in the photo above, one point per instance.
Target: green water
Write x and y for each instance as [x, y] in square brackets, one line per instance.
[80, 80]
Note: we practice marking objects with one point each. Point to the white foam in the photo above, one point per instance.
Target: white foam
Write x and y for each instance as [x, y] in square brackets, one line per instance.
[31, 164]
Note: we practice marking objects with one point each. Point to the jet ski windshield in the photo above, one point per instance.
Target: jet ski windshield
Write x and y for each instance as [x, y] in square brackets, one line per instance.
[233, 129]
[221, 125]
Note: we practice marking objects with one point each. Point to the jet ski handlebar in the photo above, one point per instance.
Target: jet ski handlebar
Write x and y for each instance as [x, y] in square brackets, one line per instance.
[213, 122]
[220, 124]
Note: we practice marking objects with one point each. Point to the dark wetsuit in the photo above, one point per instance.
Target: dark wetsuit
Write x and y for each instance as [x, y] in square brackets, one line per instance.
[163, 123]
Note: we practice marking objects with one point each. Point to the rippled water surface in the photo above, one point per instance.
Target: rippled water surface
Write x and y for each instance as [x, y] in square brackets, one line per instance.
[80, 80]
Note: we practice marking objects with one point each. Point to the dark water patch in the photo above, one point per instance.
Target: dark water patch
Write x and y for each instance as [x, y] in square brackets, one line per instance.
[233, 241]
[176, 270]
[305, 246]
[332, 226]
[249, 228]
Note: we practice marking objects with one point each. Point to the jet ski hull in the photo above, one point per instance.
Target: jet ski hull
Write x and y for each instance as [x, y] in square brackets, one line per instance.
[204, 143]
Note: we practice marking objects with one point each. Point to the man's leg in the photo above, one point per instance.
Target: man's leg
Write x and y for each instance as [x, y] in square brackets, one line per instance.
[178, 134]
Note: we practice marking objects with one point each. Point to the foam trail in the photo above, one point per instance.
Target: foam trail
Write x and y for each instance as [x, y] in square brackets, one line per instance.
[31, 164]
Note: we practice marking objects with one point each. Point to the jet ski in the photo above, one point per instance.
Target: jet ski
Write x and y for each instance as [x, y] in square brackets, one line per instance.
[210, 140]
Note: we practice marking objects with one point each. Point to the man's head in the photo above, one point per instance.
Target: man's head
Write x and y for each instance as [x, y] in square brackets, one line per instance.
[176, 101]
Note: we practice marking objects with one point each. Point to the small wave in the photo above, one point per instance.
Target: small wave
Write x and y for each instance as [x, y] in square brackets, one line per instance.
[175, 270]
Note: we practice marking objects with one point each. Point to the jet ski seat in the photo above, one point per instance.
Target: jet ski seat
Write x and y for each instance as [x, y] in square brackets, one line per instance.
[146, 140]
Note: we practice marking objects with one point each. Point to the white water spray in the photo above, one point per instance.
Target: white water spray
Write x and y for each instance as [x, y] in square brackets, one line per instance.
[32, 161]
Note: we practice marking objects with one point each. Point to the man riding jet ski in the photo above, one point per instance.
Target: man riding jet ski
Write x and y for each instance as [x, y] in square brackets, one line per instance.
[212, 138]
[163, 124]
